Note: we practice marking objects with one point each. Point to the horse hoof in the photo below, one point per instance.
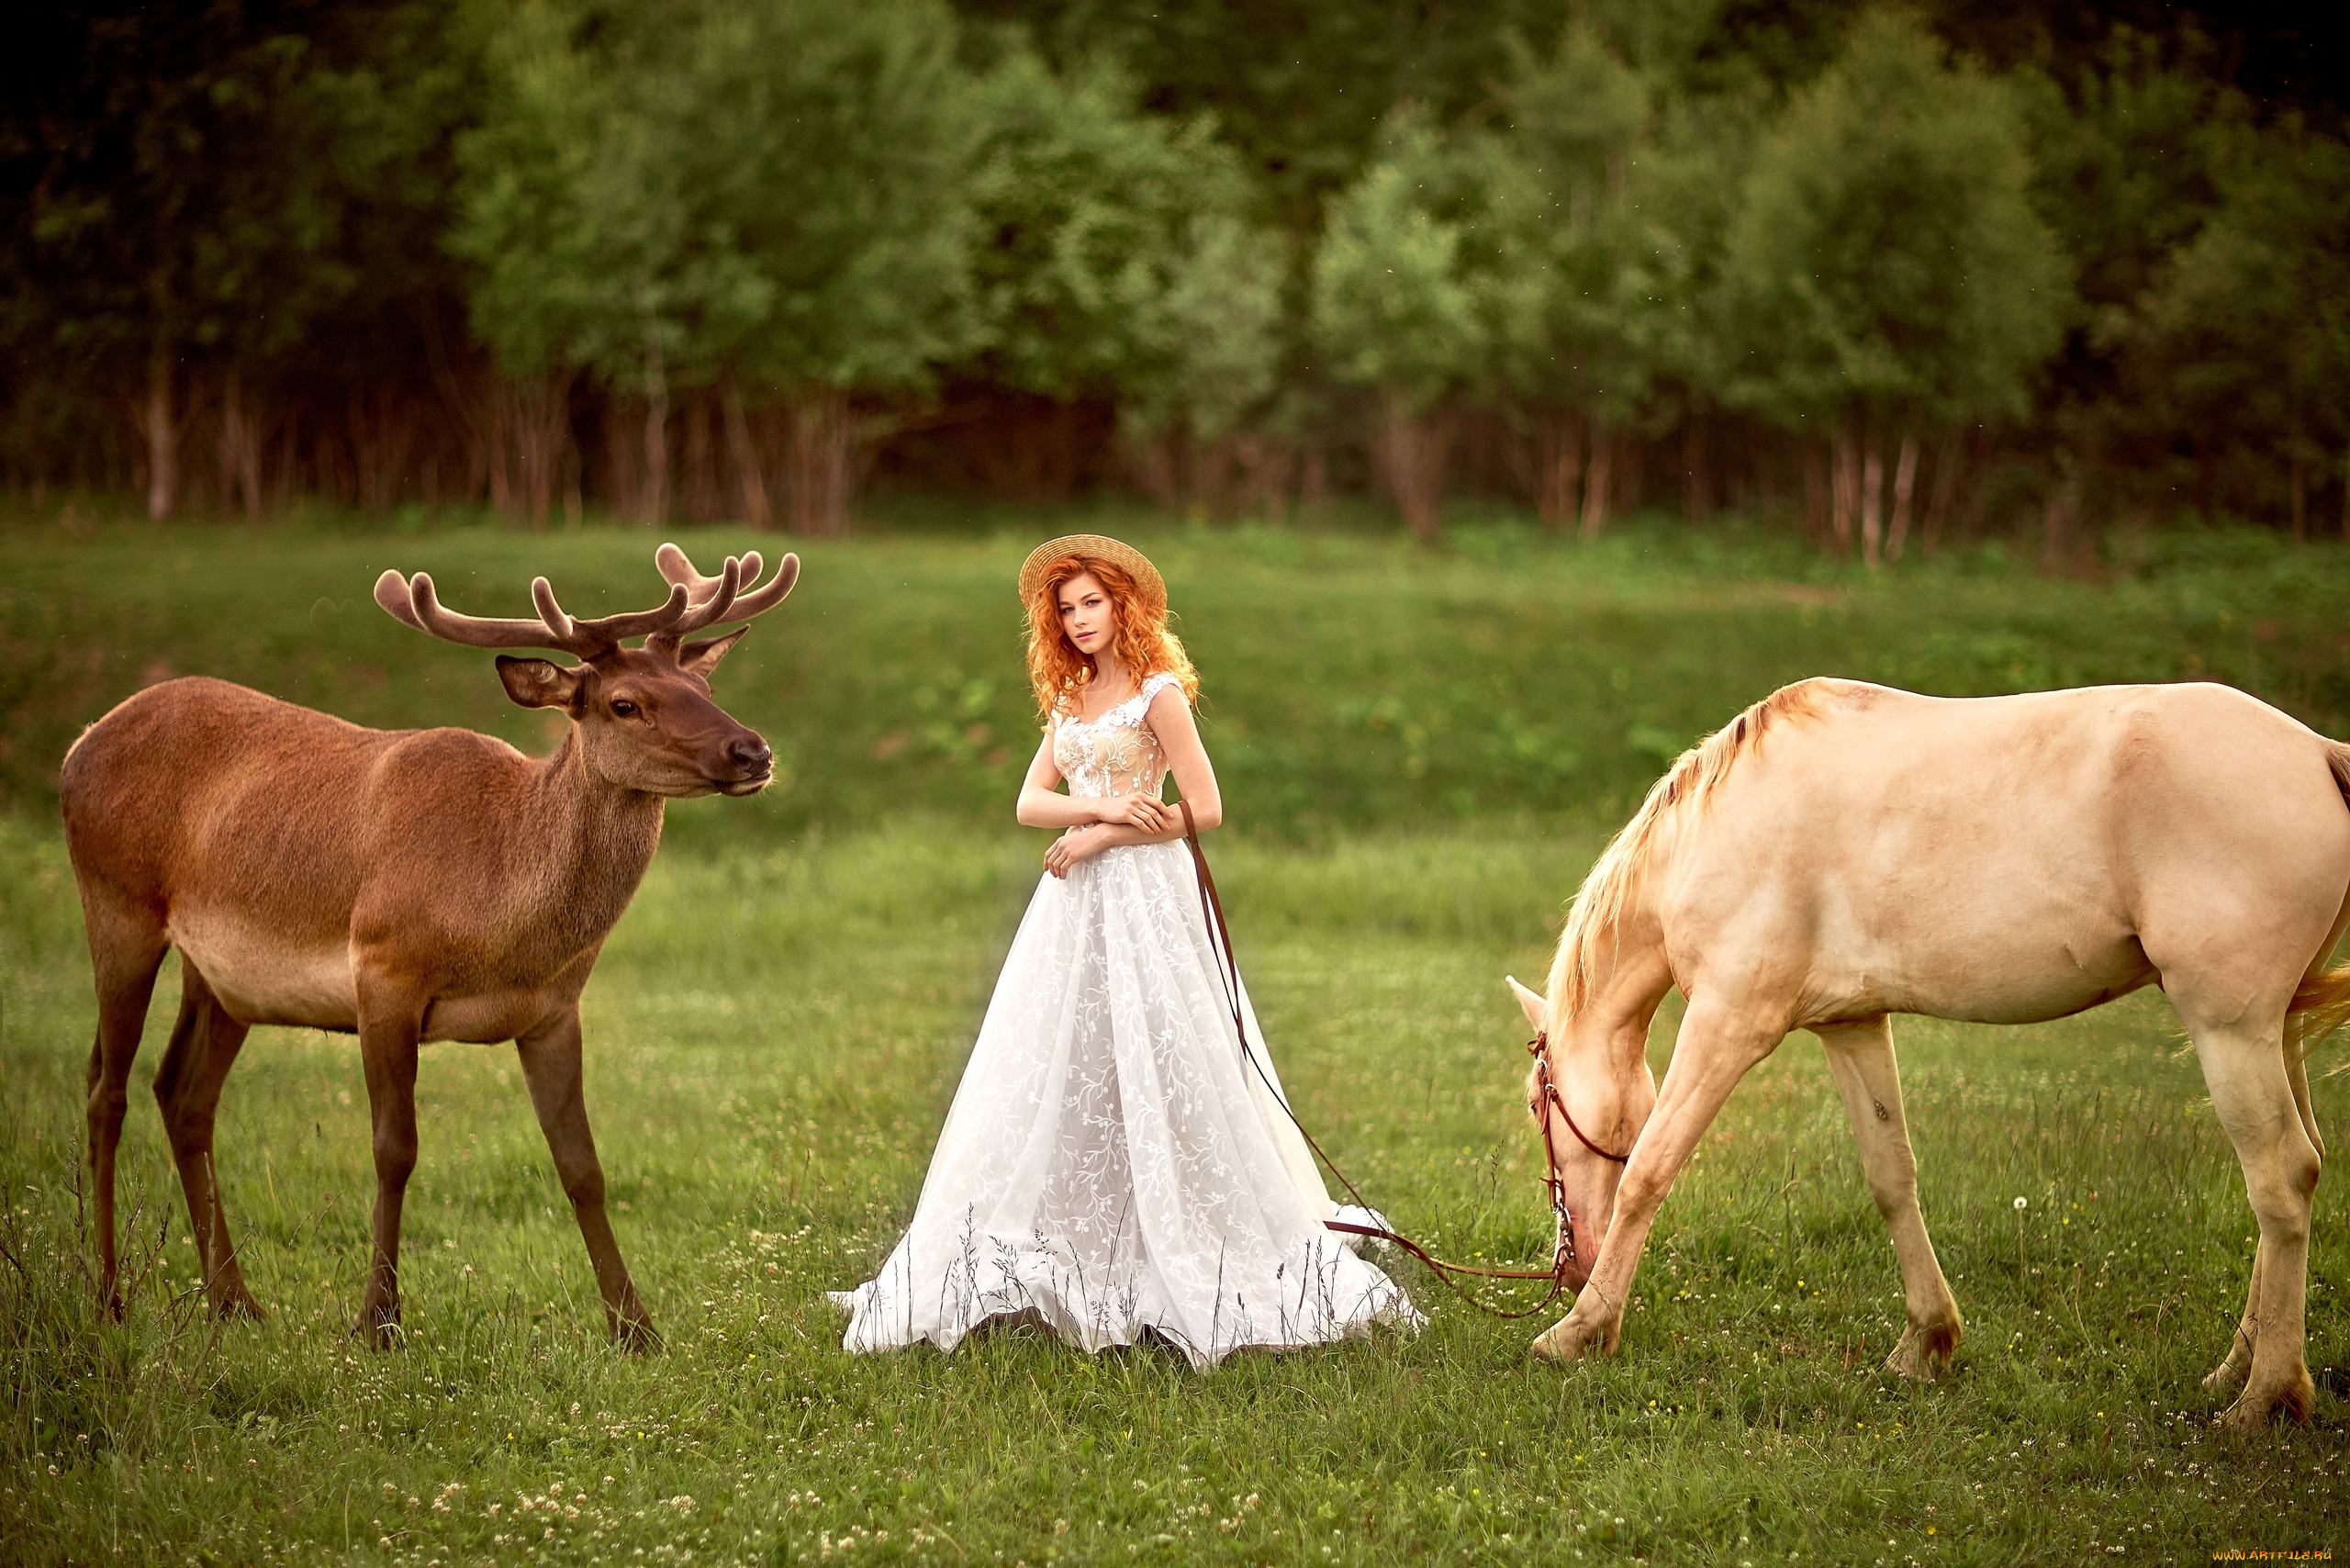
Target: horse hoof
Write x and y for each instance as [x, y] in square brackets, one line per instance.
[2225, 1378]
[1924, 1352]
[2293, 1402]
[1562, 1343]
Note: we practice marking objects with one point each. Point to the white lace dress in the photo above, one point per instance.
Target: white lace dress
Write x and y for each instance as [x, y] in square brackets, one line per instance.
[1111, 1162]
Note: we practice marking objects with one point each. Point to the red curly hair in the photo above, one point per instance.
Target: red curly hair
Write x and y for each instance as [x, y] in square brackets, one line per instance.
[1145, 645]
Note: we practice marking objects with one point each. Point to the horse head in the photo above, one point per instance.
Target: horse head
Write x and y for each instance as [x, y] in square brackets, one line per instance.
[1589, 1098]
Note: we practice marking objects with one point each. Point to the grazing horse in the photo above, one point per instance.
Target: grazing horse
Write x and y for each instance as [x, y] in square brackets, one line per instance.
[1842, 852]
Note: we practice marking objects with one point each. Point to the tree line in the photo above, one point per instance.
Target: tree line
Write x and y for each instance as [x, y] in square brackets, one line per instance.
[1884, 272]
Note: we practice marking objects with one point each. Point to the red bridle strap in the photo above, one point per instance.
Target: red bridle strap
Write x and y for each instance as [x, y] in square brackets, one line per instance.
[1540, 1046]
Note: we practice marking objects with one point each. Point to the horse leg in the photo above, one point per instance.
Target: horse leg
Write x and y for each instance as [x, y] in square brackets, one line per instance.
[1859, 1056]
[389, 1023]
[205, 1043]
[2243, 1065]
[1716, 1049]
[126, 949]
[551, 1067]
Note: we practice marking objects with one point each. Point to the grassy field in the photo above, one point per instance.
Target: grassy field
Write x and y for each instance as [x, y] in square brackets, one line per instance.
[1425, 751]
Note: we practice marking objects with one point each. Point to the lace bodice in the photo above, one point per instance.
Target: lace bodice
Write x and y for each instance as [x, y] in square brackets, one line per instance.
[1117, 754]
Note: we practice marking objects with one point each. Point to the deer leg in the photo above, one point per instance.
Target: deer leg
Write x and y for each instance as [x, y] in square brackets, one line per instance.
[205, 1043]
[1859, 1056]
[1715, 1050]
[551, 1067]
[125, 952]
[387, 1043]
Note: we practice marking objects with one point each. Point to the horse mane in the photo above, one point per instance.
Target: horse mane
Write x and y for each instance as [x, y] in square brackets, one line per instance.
[1598, 908]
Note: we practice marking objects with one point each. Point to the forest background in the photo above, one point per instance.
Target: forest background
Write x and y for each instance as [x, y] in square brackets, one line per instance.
[1884, 275]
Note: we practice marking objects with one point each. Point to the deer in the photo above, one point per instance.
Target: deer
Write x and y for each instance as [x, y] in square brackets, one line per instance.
[404, 886]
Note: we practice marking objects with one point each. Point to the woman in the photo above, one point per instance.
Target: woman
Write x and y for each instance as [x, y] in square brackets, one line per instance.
[1114, 1164]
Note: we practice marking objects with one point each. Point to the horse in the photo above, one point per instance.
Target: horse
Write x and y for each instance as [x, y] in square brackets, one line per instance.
[1842, 852]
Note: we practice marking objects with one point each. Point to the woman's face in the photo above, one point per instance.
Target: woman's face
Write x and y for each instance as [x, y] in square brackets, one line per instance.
[1089, 617]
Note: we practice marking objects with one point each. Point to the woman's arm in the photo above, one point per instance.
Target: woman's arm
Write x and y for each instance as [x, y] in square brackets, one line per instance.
[1170, 717]
[1042, 804]
[1187, 759]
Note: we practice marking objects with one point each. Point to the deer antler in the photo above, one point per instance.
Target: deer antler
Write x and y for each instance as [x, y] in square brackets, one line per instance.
[413, 601]
[721, 597]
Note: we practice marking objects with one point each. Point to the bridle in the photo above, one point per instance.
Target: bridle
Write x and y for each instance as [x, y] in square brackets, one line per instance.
[1546, 1099]
[1546, 1095]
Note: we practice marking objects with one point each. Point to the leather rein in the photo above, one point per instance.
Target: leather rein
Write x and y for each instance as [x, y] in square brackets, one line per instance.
[1547, 1098]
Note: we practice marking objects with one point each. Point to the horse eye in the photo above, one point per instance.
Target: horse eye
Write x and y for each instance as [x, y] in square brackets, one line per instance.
[623, 708]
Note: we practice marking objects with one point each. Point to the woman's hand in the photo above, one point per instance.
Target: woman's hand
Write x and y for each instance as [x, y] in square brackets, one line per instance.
[1142, 811]
[1079, 843]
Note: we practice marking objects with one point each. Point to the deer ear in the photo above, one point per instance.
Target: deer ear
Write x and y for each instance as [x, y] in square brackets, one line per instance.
[701, 658]
[536, 683]
[1537, 1008]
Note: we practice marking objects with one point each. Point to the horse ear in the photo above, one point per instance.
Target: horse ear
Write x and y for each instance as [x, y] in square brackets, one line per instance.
[1538, 1009]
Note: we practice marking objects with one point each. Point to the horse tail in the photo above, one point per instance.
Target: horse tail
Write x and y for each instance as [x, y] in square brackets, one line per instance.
[2321, 1006]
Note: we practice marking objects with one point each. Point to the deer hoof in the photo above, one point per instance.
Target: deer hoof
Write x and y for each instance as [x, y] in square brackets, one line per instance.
[240, 1303]
[378, 1326]
[638, 1336]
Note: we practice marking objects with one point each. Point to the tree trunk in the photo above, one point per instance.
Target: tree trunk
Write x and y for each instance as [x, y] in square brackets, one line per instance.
[531, 433]
[820, 482]
[163, 431]
[2345, 495]
[1264, 477]
[240, 449]
[1905, 482]
[1314, 488]
[1847, 488]
[1815, 492]
[1595, 481]
[744, 454]
[2301, 495]
[1946, 458]
[1558, 467]
[2056, 520]
[1157, 467]
[1871, 503]
[1696, 477]
[1409, 451]
[654, 507]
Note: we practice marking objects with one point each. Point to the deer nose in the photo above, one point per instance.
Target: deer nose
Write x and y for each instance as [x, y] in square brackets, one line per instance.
[750, 755]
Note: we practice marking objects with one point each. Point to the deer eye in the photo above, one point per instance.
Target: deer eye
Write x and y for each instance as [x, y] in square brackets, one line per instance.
[623, 708]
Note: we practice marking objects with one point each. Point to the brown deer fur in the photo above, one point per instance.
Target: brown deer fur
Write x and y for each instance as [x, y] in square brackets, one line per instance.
[404, 885]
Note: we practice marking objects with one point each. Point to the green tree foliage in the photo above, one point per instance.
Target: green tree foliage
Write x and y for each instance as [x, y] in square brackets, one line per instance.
[2248, 329]
[1594, 281]
[1888, 271]
[769, 195]
[203, 195]
[1405, 285]
[1117, 256]
[714, 257]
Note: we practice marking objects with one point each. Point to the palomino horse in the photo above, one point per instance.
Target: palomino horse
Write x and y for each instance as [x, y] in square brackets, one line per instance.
[1842, 852]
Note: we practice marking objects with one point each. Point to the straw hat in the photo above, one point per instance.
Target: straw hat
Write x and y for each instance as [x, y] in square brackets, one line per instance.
[1147, 582]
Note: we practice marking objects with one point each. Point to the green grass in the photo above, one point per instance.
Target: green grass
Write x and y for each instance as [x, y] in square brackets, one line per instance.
[777, 1024]
[1352, 681]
